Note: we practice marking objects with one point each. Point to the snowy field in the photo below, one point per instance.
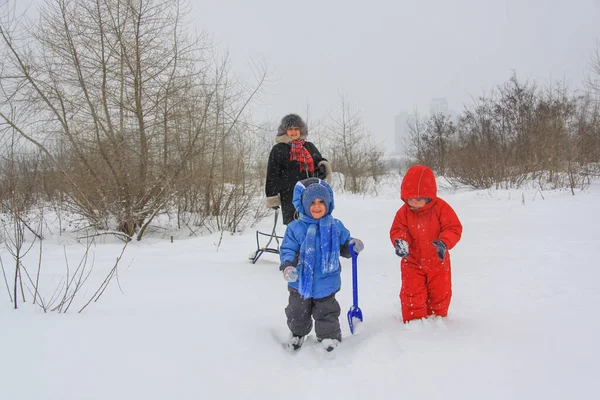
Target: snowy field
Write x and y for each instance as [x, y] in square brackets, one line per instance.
[193, 319]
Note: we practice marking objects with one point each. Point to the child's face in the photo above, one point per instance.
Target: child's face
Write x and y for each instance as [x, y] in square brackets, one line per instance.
[417, 203]
[317, 208]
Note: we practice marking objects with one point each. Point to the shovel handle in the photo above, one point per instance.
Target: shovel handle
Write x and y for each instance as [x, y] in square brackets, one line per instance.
[354, 276]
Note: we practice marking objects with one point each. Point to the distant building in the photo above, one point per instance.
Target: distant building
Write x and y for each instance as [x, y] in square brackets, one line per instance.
[439, 106]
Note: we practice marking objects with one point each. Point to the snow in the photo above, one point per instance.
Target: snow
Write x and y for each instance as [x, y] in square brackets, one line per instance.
[193, 319]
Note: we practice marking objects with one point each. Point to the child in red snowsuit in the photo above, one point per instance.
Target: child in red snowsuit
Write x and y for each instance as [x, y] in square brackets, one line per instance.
[423, 231]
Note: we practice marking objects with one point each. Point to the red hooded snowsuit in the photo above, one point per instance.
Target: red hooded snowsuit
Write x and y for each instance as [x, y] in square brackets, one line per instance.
[426, 283]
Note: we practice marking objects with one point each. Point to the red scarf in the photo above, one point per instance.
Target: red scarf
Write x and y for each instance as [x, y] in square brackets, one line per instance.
[299, 153]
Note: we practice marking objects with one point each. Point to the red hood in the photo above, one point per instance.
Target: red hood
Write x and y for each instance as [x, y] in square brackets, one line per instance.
[419, 181]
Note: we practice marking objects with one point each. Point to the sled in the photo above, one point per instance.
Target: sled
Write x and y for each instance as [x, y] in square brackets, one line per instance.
[274, 249]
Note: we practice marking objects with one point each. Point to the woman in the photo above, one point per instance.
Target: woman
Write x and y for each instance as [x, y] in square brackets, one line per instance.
[291, 160]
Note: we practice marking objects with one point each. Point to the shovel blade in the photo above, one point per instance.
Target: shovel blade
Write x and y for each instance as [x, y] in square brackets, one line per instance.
[354, 313]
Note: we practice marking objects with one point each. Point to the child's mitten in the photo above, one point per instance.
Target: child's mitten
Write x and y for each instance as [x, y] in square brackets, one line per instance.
[357, 244]
[401, 248]
[290, 274]
[441, 249]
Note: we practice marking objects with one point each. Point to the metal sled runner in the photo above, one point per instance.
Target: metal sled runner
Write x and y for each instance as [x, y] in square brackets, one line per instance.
[261, 235]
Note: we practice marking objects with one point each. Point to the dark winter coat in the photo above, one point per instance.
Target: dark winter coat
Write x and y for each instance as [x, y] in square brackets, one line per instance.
[283, 173]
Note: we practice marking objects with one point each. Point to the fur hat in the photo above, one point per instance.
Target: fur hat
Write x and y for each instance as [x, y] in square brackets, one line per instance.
[315, 191]
[292, 121]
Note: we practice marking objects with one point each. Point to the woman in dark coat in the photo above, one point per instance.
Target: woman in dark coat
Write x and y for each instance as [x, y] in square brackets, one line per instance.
[291, 160]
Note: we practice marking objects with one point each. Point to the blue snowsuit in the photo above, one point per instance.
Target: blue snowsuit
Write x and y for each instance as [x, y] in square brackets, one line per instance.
[302, 247]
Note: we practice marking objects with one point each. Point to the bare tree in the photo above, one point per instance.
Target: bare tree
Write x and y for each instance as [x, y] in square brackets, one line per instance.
[439, 131]
[123, 101]
[354, 154]
[594, 79]
[586, 129]
[416, 131]
[16, 202]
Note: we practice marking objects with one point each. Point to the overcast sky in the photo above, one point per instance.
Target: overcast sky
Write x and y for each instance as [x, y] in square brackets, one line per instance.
[395, 55]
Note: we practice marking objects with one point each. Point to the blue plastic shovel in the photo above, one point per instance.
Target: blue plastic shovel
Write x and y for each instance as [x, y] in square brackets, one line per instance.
[355, 311]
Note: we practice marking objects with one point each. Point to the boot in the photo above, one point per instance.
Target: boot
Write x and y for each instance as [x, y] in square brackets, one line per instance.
[295, 342]
[329, 344]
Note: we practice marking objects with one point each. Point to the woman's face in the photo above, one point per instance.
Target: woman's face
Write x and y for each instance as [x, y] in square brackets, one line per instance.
[293, 133]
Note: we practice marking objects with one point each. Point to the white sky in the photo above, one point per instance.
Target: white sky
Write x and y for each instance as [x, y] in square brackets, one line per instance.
[391, 56]
[195, 320]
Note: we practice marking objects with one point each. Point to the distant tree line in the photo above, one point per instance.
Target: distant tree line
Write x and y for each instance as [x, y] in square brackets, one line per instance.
[516, 134]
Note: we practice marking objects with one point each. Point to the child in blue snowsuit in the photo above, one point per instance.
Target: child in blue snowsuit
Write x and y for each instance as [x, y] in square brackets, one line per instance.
[309, 255]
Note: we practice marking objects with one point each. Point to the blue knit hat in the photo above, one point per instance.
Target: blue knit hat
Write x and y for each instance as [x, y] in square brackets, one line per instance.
[315, 191]
[307, 190]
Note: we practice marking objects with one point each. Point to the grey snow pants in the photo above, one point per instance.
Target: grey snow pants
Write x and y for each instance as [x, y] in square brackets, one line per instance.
[325, 311]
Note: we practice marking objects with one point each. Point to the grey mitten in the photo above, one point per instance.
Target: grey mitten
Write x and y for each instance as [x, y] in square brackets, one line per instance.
[357, 245]
[290, 274]
[401, 248]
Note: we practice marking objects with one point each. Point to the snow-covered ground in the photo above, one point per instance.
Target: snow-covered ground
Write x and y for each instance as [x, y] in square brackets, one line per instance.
[193, 319]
